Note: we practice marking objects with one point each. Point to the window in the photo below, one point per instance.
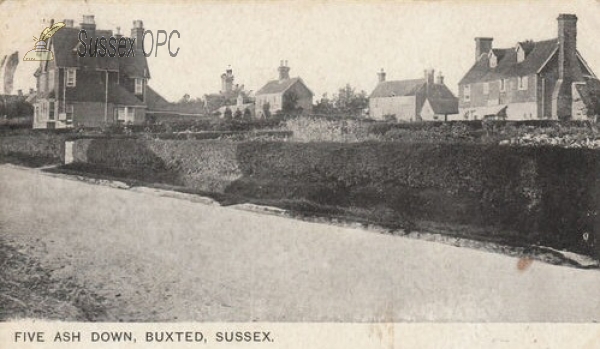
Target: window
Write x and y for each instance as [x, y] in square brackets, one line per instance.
[139, 86]
[502, 84]
[51, 111]
[522, 82]
[493, 60]
[486, 88]
[69, 112]
[520, 54]
[467, 93]
[71, 77]
[125, 114]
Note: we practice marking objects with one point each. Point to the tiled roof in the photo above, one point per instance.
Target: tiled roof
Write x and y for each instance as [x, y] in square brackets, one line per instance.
[279, 86]
[590, 95]
[117, 94]
[539, 53]
[66, 42]
[397, 88]
[442, 100]
[155, 101]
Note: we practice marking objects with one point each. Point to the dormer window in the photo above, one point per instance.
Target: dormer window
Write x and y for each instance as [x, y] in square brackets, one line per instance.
[139, 86]
[520, 54]
[493, 60]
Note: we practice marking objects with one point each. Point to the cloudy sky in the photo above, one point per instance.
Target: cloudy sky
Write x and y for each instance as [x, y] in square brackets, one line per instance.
[327, 43]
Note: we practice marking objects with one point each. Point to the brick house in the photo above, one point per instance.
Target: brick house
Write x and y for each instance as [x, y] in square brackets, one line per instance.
[284, 93]
[412, 100]
[533, 80]
[92, 91]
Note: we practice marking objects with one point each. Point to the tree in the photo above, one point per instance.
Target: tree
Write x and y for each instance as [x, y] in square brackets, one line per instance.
[237, 114]
[290, 102]
[324, 105]
[227, 114]
[247, 114]
[266, 108]
[349, 102]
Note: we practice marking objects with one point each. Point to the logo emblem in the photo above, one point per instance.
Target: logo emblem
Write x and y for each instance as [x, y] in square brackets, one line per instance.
[41, 52]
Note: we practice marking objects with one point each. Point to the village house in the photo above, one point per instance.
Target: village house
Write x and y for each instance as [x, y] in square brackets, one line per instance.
[290, 95]
[93, 91]
[533, 80]
[412, 100]
[228, 96]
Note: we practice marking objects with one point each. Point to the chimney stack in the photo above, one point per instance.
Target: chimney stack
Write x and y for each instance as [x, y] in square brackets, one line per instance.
[89, 25]
[440, 78]
[568, 67]
[284, 71]
[482, 45]
[381, 75]
[429, 74]
[20, 93]
[137, 32]
[68, 23]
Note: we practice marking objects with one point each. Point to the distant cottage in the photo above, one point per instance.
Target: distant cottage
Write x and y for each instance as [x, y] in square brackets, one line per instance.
[229, 95]
[92, 91]
[533, 80]
[288, 95]
[412, 100]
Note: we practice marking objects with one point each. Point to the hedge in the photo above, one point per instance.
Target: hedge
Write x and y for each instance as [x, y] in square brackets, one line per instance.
[537, 195]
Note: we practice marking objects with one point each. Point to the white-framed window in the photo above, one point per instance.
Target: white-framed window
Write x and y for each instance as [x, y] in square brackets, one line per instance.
[69, 112]
[71, 77]
[522, 82]
[125, 114]
[139, 86]
[486, 88]
[467, 93]
[503, 84]
[493, 61]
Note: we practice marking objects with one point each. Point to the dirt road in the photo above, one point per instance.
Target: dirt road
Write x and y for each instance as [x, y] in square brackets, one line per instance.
[167, 259]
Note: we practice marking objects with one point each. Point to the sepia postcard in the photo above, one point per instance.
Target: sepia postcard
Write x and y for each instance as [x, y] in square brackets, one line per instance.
[300, 174]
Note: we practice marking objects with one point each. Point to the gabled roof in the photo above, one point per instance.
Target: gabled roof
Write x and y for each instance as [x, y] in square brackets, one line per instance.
[280, 86]
[442, 100]
[590, 95]
[155, 100]
[118, 94]
[397, 88]
[65, 44]
[539, 54]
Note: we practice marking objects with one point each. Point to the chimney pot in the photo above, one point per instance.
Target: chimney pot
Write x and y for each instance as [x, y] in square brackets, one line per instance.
[284, 71]
[482, 45]
[381, 75]
[440, 78]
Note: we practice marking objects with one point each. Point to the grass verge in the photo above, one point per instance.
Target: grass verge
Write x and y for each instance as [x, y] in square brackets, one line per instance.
[27, 290]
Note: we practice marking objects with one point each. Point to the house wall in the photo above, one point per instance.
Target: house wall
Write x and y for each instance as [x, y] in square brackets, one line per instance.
[403, 107]
[523, 104]
[547, 81]
[274, 100]
[305, 99]
[427, 113]
[91, 114]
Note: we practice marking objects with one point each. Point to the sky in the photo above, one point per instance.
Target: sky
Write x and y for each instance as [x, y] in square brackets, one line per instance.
[327, 43]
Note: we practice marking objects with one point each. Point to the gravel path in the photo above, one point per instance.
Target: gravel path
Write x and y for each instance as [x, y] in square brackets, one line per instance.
[156, 258]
